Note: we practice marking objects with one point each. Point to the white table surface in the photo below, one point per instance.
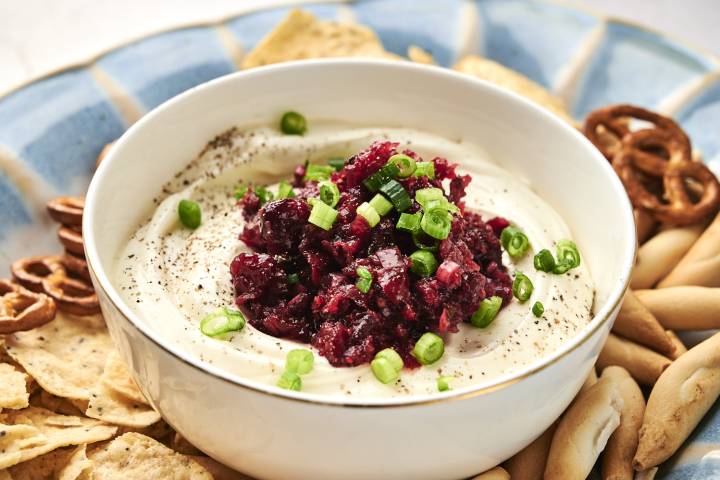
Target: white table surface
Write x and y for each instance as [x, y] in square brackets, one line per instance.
[38, 36]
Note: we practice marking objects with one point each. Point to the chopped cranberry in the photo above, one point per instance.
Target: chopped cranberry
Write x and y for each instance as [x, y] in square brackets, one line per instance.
[326, 308]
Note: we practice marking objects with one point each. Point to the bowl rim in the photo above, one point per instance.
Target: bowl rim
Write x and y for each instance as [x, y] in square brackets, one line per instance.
[433, 73]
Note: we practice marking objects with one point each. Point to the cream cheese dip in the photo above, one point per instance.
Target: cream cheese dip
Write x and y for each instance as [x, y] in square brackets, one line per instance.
[172, 277]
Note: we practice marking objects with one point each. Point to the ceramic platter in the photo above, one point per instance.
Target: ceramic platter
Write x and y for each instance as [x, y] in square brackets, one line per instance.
[51, 130]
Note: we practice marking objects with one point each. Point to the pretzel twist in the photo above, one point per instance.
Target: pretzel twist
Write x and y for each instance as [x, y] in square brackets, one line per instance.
[21, 309]
[67, 210]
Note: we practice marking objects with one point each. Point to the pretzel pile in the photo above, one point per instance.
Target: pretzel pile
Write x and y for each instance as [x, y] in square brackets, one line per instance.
[655, 164]
[64, 278]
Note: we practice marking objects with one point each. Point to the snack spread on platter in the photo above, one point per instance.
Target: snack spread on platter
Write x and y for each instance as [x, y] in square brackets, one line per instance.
[388, 262]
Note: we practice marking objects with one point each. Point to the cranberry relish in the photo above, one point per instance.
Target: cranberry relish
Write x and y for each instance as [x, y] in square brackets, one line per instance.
[326, 308]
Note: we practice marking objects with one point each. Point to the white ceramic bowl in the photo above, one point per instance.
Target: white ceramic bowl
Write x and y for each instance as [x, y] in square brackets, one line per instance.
[271, 433]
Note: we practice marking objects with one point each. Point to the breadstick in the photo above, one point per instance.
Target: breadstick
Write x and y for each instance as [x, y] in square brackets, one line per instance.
[529, 463]
[644, 365]
[680, 347]
[661, 253]
[648, 474]
[644, 225]
[617, 462]
[677, 403]
[583, 431]
[635, 322]
[684, 308]
[701, 264]
[497, 473]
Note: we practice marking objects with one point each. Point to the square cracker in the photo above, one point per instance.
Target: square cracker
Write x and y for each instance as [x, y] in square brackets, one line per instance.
[13, 387]
[66, 356]
[133, 456]
[301, 36]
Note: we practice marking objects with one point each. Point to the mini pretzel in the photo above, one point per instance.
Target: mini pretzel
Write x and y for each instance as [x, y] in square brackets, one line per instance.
[67, 210]
[676, 207]
[77, 266]
[49, 274]
[72, 240]
[614, 118]
[21, 309]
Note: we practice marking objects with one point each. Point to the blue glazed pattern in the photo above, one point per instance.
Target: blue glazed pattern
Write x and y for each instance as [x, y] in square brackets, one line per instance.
[55, 127]
[179, 60]
[535, 39]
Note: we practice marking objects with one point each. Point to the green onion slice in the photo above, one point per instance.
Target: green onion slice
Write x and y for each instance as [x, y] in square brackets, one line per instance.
[544, 261]
[189, 213]
[366, 211]
[397, 195]
[318, 173]
[409, 222]
[436, 222]
[329, 193]
[423, 263]
[293, 123]
[538, 309]
[240, 191]
[381, 205]
[290, 381]
[337, 163]
[285, 190]
[429, 348]
[263, 194]
[424, 169]
[568, 256]
[443, 383]
[299, 361]
[425, 195]
[322, 215]
[393, 357]
[221, 322]
[383, 370]
[522, 287]
[382, 176]
[364, 281]
[486, 312]
[405, 163]
[424, 242]
[514, 241]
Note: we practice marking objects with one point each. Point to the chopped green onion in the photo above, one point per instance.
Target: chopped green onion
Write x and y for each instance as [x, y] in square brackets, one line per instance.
[290, 381]
[322, 215]
[379, 178]
[392, 356]
[292, 123]
[544, 261]
[429, 348]
[371, 215]
[381, 205]
[337, 163]
[425, 195]
[443, 383]
[486, 313]
[383, 370]
[443, 203]
[300, 361]
[424, 242]
[538, 309]
[397, 195]
[293, 278]
[318, 172]
[568, 256]
[241, 191]
[514, 241]
[409, 222]
[364, 281]
[423, 263]
[222, 322]
[424, 169]
[436, 222]
[285, 190]
[189, 213]
[263, 194]
[522, 287]
[405, 163]
[329, 193]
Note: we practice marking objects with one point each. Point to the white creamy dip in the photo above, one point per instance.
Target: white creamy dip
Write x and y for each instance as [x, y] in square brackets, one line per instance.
[173, 276]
